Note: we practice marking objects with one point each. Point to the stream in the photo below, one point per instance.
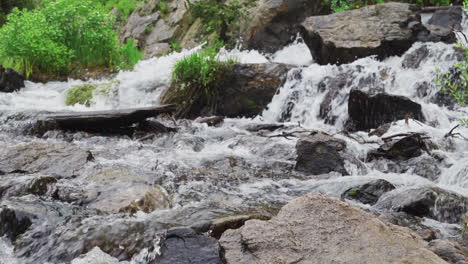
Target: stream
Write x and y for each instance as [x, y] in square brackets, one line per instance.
[202, 173]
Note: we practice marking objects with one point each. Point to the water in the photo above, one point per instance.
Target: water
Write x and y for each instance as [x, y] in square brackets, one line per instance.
[213, 171]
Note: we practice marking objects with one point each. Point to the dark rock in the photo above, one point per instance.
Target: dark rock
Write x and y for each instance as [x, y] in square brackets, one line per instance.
[442, 98]
[434, 203]
[182, 245]
[413, 60]
[246, 91]
[383, 30]
[450, 251]
[381, 130]
[40, 186]
[319, 154]
[271, 25]
[259, 127]
[10, 81]
[412, 222]
[370, 192]
[217, 227]
[443, 23]
[13, 223]
[333, 86]
[425, 166]
[370, 111]
[317, 229]
[58, 160]
[403, 149]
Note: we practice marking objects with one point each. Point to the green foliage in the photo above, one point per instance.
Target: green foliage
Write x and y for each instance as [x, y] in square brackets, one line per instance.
[60, 36]
[196, 79]
[176, 46]
[163, 8]
[353, 192]
[125, 7]
[129, 55]
[216, 15]
[81, 94]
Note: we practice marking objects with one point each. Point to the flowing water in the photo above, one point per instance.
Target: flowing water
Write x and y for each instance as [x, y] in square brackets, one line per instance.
[209, 172]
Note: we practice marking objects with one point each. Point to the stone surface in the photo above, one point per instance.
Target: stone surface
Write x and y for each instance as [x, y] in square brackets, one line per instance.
[318, 229]
[413, 60]
[13, 223]
[245, 91]
[431, 202]
[383, 30]
[450, 251]
[443, 23]
[370, 111]
[370, 192]
[184, 246]
[401, 149]
[10, 81]
[137, 27]
[55, 159]
[319, 154]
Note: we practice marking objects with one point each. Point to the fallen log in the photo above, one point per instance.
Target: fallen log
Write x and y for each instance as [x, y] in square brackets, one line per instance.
[99, 120]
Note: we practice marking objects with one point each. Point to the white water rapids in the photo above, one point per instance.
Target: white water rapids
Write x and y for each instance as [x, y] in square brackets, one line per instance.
[196, 147]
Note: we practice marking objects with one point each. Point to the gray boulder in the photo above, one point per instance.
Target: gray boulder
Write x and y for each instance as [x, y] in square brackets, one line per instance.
[319, 153]
[318, 229]
[370, 192]
[443, 23]
[383, 30]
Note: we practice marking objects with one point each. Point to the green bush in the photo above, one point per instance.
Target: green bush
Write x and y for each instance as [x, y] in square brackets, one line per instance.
[125, 7]
[129, 54]
[81, 94]
[60, 36]
[343, 5]
[196, 80]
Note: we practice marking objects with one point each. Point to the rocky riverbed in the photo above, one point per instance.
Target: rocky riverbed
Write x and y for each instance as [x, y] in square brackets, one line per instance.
[306, 162]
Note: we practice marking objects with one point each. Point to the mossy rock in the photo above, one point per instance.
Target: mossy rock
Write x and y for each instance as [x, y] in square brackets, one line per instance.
[81, 94]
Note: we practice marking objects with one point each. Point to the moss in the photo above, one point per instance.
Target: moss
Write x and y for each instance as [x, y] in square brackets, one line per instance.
[353, 192]
[81, 94]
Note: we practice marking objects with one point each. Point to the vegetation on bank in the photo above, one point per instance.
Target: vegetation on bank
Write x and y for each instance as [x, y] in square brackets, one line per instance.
[60, 36]
[343, 5]
[81, 94]
[196, 79]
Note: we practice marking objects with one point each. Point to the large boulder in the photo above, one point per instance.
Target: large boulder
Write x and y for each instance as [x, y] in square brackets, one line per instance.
[443, 24]
[431, 202]
[245, 90]
[318, 229]
[319, 153]
[402, 149]
[383, 30]
[10, 81]
[60, 160]
[368, 111]
[271, 25]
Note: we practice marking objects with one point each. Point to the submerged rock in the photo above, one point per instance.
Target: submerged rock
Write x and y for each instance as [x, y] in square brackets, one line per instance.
[413, 60]
[431, 202]
[55, 159]
[370, 111]
[318, 229]
[370, 192]
[10, 81]
[319, 153]
[383, 30]
[13, 223]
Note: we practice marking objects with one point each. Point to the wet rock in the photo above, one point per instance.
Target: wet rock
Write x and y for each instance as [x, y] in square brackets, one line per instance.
[271, 25]
[333, 85]
[402, 149]
[10, 81]
[182, 245]
[443, 23]
[368, 193]
[55, 159]
[40, 186]
[431, 202]
[318, 229]
[442, 98]
[450, 251]
[210, 121]
[246, 91]
[383, 30]
[131, 199]
[370, 111]
[13, 223]
[319, 154]
[218, 226]
[413, 60]
[425, 166]
[260, 127]
[412, 222]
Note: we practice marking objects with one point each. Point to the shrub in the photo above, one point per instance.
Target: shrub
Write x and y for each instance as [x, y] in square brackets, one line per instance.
[343, 5]
[196, 80]
[125, 7]
[60, 36]
[81, 94]
[129, 55]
